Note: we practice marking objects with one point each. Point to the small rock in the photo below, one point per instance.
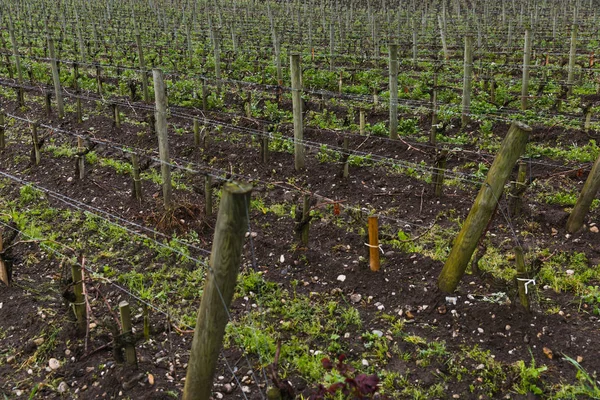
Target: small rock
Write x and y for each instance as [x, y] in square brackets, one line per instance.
[54, 364]
[341, 278]
[70, 179]
[93, 325]
[480, 330]
[282, 259]
[10, 359]
[377, 333]
[151, 379]
[355, 297]
[480, 367]
[365, 363]
[579, 359]
[62, 387]
[594, 229]
[246, 389]
[228, 388]
[570, 272]
[451, 300]
[219, 395]
[38, 341]
[507, 327]
[456, 396]
[554, 232]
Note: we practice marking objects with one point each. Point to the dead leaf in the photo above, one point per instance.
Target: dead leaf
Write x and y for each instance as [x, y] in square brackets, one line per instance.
[548, 352]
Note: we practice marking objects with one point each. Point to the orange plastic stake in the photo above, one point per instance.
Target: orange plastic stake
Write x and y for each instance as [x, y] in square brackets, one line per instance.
[374, 243]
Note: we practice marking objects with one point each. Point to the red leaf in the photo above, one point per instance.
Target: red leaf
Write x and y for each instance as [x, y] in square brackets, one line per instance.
[327, 364]
[367, 384]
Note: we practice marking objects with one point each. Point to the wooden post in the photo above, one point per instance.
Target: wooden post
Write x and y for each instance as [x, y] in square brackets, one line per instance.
[56, 79]
[217, 55]
[137, 181]
[99, 80]
[587, 195]
[81, 158]
[79, 305]
[443, 36]
[77, 92]
[146, 323]
[161, 131]
[204, 95]
[522, 278]
[526, 63]
[434, 114]
[15, 47]
[36, 155]
[467, 81]
[142, 64]
[439, 172]
[465, 243]
[208, 195]
[225, 259]
[2, 131]
[572, 57]
[196, 129]
[414, 42]
[264, 148]
[346, 156]
[361, 123]
[374, 243]
[393, 75]
[125, 311]
[519, 186]
[4, 273]
[305, 222]
[331, 46]
[299, 161]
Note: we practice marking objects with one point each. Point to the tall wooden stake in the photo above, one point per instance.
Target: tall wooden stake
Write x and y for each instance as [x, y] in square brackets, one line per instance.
[584, 201]
[161, 131]
[225, 259]
[299, 161]
[79, 305]
[393, 75]
[467, 81]
[137, 181]
[572, 57]
[142, 64]
[522, 277]
[125, 311]
[374, 243]
[56, 79]
[465, 243]
[526, 64]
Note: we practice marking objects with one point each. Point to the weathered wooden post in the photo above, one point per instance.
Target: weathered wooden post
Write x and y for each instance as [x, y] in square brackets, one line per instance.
[572, 57]
[56, 79]
[373, 243]
[16, 55]
[361, 121]
[465, 243]
[443, 37]
[522, 278]
[129, 346]
[196, 130]
[77, 92]
[393, 75]
[584, 201]
[161, 131]
[439, 172]
[36, 155]
[4, 272]
[135, 173]
[467, 81]
[519, 186]
[208, 195]
[79, 304]
[99, 80]
[434, 111]
[526, 64]
[303, 225]
[2, 131]
[225, 259]
[80, 158]
[346, 157]
[142, 65]
[299, 161]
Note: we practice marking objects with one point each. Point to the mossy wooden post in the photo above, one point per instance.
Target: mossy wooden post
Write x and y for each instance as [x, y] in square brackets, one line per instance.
[522, 277]
[36, 156]
[48, 102]
[77, 93]
[16, 55]
[305, 220]
[584, 201]
[440, 171]
[467, 81]
[208, 195]
[79, 304]
[361, 121]
[135, 173]
[299, 162]
[373, 244]
[81, 158]
[56, 79]
[116, 115]
[264, 148]
[160, 96]
[346, 157]
[217, 55]
[526, 64]
[519, 186]
[142, 65]
[125, 311]
[225, 259]
[146, 322]
[204, 95]
[465, 243]
[443, 37]
[572, 57]
[2, 131]
[393, 86]
[414, 42]
[4, 273]
[331, 46]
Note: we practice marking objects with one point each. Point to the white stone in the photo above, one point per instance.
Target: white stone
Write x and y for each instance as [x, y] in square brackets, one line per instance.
[54, 364]
[282, 259]
[365, 363]
[341, 278]
[62, 387]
